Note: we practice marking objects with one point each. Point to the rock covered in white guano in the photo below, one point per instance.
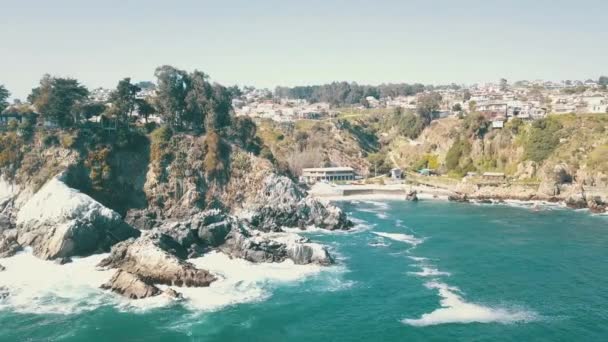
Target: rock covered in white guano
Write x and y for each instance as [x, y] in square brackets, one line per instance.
[281, 203]
[59, 221]
[156, 258]
[301, 250]
[256, 246]
[213, 229]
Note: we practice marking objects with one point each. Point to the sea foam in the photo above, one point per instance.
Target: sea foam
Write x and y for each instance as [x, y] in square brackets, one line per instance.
[429, 272]
[44, 287]
[454, 309]
[410, 239]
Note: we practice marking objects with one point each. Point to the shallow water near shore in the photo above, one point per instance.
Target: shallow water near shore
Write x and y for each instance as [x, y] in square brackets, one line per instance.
[411, 271]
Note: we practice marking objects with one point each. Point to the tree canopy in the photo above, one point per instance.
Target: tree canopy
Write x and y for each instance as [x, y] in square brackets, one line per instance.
[124, 99]
[190, 101]
[57, 100]
[344, 93]
[4, 95]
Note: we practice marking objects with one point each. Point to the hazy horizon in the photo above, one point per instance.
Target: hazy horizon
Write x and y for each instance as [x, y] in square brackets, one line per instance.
[272, 43]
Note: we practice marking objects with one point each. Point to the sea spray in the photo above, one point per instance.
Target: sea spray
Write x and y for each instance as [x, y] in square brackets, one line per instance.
[410, 239]
[73, 288]
[454, 309]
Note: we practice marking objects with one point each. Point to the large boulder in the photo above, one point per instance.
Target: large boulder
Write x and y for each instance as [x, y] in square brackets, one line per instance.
[596, 205]
[59, 221]
[244, 244]
[156, 258]
[257, 246]
[8, 246]
[130, 286]
[281, 203]
[576, 202]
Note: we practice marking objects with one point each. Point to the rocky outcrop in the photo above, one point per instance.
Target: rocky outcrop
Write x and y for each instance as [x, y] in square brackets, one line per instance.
[59, 221]
[4, 292]
[156, 258]
[130, 286]
[257, 246]
[2, 268]
[412, 196]
[458, 198]
[8, 245]
[596, 205]
[213, 229]
[282, 203]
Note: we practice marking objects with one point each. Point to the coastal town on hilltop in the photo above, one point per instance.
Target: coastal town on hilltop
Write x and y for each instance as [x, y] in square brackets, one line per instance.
[498, 102]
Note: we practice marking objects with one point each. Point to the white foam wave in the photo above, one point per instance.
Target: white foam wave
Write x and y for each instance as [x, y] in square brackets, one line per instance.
[430, 272]
[41, 286]
[419, 259]
[454, 309]
[410, 239]
[378, 244]
[381, 205]
[242, 281]
[44, 287]
[359, 226]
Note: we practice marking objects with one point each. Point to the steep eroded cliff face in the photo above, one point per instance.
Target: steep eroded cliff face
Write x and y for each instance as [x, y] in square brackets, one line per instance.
[172, 203]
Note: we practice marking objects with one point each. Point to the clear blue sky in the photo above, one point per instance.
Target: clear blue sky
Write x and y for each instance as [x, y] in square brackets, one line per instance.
[268, 43]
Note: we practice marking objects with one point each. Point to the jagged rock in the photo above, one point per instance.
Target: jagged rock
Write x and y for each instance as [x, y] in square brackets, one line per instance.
[4, 292]
[274, 247]
[2, 268]
[145, 219]
[215, 234]
[130, 286]
[596, 205]
[8, 246]
[173, 294]
[59, 221]
[549, 188]
[526, 169]
[63, 261]
[458, 198]
[578, 202]
[156, 258]
[302, 251]
[412, 196]
[282, 203]
[240, 244]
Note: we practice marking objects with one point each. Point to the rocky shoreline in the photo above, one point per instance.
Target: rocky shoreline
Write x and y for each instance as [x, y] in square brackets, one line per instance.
[58, 222]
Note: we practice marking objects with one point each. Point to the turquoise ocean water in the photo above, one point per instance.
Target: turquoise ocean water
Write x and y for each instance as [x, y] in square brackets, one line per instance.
[412, 272]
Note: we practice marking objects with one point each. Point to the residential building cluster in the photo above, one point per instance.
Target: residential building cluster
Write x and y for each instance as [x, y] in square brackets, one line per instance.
[528, 100]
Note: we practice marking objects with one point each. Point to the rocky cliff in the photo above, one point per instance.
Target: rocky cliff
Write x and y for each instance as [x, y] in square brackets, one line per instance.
[155, 212]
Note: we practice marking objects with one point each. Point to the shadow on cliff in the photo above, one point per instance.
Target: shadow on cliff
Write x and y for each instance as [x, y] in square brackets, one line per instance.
[113, 174]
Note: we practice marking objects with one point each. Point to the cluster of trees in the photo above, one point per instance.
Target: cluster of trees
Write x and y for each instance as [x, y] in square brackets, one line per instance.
[186, 101]
[344, 93]
[4, 95]
[542, 139]
[412, 124]
[59, 100]
[189, 101]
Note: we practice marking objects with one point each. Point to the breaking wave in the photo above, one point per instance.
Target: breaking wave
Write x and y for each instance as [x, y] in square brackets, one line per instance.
[454, 309]
[410, 239]
[429, 272]
[44, 287]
